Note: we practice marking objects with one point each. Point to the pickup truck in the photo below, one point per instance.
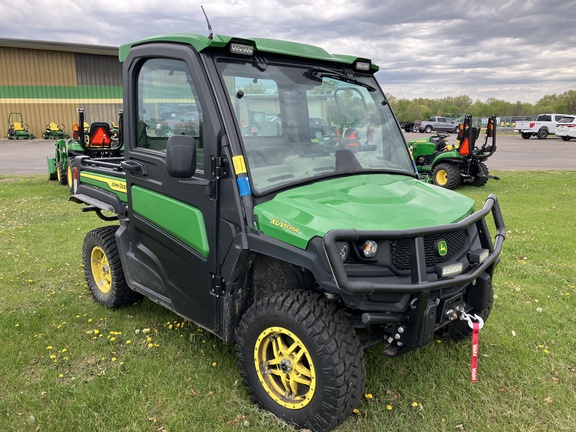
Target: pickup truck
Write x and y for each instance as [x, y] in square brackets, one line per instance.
[298, 251]
[540, 125]
[439, 124]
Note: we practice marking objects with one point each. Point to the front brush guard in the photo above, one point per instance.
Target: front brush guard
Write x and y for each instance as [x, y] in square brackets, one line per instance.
[419, 276]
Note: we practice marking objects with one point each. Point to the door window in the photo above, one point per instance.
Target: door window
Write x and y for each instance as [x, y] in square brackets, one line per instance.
[168, 105]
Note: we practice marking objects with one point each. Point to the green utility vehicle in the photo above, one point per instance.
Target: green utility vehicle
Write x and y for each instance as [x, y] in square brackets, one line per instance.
[450, 166]
[299, 252]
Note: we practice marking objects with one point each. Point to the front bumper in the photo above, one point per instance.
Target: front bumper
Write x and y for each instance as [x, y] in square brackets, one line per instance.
[421, 278]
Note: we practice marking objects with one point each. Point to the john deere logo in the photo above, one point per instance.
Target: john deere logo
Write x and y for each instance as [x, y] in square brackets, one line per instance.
[442, 248]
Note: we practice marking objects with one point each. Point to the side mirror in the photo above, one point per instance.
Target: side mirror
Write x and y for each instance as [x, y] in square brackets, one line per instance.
[181, 156]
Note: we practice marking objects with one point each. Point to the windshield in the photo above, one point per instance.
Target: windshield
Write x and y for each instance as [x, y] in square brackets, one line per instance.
[301, 124]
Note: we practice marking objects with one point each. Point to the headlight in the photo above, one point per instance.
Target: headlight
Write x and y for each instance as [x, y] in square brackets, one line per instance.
[369, 249]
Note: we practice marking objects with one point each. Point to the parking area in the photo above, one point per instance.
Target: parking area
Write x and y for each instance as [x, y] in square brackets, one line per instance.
[514, 153]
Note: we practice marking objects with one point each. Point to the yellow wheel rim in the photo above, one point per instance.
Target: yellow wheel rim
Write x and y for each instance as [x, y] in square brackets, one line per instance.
[69, 176]
[58, 174]
[441, 177]
[285, 368]
[101, 270]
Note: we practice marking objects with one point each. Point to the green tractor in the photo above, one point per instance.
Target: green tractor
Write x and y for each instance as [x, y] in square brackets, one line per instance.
[96, 140]
[16, 129]
[53, 131]
[450, 166]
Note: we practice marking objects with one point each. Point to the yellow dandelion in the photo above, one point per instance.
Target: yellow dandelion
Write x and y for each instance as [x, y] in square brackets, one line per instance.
[64, 350]
[112, 338]
[96, 331]
[113, 359]
[150, 345]
[128, 342]
[368, 396]
[213, 364]
[52, 356]
[389, 407]
[356, 411]
[49, 347]
[149, 339]
[415, 404]
[61, 376]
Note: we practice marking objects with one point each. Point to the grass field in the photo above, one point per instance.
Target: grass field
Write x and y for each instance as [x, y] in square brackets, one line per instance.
[67, 364]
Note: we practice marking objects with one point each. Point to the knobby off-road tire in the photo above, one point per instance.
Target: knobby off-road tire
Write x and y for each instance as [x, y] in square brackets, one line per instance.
[300, 359]
[60, 173]
[103, 269]
[460, 330]
[70, 175]
[446, 175]
[481, 176]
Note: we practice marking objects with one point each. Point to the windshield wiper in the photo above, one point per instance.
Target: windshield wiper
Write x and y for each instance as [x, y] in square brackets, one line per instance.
[317, 73]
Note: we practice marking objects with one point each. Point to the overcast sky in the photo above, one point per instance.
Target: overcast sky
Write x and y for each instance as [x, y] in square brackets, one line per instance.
[516, 50]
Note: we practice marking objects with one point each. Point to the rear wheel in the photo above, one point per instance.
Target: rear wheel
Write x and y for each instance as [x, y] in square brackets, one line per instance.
[446, 175]
[103, 269]
[542, 134]
[300, 359]
[60, 173]
[70, 175]
[428, 129]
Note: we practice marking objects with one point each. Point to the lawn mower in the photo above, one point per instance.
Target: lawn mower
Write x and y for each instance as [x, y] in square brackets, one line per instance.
[449, 166]
[95, 140]
[53, 131]
[16, 129]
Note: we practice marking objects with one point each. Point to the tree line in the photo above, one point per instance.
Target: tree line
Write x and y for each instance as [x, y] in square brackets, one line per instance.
[418, 109]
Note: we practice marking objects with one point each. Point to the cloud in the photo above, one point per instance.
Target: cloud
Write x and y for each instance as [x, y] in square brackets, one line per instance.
[513, 50]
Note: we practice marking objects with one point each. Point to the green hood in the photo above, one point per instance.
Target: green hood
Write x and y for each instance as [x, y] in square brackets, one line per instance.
[362, 202]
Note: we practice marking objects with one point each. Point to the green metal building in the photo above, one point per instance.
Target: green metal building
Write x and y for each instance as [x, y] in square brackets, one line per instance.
[47, 81]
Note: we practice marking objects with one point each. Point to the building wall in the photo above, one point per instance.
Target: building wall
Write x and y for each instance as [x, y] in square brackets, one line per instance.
[48, 86]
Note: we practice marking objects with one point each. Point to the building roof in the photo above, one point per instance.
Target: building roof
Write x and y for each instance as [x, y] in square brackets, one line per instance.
[59, 46]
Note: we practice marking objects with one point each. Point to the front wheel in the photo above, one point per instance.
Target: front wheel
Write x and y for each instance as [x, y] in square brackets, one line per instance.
[446, 175]
[526, 135]
[300, 358]
[103, 269]
[542, 134]
[428, 129]
[566, 138]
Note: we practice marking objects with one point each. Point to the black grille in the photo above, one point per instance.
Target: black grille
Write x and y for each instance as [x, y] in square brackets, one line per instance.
[400, 249]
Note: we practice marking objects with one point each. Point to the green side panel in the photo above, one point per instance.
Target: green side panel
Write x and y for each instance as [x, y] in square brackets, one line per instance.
[181, 220]
[275, 46]
[112, 184]
[453, 154]
[61, 92]
[362, 202]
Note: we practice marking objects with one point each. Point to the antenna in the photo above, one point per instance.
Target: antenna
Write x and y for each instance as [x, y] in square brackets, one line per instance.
[211, 33]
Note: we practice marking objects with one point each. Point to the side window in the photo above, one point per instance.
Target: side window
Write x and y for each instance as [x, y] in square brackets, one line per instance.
[167, 105]
[545, 117]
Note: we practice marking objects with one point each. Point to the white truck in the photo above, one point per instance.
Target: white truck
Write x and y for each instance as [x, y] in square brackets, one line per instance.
[540, 125]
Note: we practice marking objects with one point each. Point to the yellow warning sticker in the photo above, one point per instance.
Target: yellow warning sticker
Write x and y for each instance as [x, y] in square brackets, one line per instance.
[239, 164]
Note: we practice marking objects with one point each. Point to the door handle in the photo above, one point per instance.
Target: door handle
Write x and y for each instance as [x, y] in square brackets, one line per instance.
[133, 167]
